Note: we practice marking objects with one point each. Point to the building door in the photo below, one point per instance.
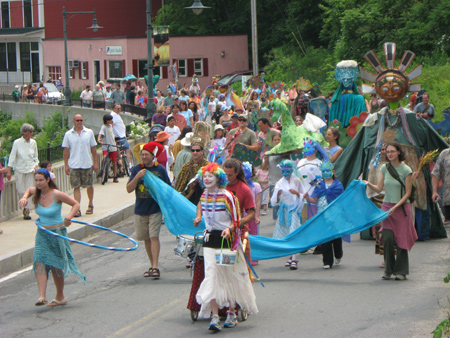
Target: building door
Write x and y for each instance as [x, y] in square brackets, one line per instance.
[97, 71]
[35, 71]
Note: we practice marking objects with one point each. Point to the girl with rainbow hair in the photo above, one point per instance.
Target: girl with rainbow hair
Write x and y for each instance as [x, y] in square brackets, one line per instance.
[222, 286]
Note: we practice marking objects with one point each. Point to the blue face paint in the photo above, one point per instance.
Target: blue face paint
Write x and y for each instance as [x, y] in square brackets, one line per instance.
[327, 173]
[286, 173]
[308, 150]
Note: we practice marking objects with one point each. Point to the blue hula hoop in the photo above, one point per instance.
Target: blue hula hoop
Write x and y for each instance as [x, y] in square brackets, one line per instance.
[89, 244]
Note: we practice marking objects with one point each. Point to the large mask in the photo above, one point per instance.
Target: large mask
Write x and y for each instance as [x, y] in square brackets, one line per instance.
[286, 173]
[391, 85]
[308, 149]
[346, 72]
[327, 169]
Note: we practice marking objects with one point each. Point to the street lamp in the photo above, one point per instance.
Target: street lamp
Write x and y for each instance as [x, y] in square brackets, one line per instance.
[95, 27]
[197, 7]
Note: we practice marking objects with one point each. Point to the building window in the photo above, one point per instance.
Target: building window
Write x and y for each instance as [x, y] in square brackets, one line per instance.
[5, 14]
[83, 66]
[3, 63]
[198, 67]
[182, 68]
[27, 14]
[25, 64]
[54, 72]
[12, 59]
[142, 70]
[115, 69]
[70, 72]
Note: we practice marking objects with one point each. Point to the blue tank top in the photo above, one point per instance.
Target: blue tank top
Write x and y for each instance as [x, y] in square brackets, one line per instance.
[50, 215]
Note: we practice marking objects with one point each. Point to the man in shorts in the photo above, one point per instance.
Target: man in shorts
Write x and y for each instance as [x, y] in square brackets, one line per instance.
[80, 159]
[147, 214]
[120, 131]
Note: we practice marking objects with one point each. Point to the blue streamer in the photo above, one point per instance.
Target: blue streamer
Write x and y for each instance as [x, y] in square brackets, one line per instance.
[89, 244]
[338, 219]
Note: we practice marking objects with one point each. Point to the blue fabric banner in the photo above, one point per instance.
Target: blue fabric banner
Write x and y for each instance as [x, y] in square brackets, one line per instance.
[351, 212]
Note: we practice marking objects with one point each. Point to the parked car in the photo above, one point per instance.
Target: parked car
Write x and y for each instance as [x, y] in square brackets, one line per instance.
[54, 96]
[229, 79]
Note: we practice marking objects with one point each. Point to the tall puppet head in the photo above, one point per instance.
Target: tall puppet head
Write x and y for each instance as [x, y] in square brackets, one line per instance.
[390, 83]
[346, 72]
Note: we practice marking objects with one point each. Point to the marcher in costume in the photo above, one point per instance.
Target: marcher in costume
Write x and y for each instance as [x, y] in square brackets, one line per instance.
[346, 101]
[327, 191]
[395, 123]
[397, 229]
[223, 286]
[253, 226]
[288, 194]
[51, 253]
[187, 183]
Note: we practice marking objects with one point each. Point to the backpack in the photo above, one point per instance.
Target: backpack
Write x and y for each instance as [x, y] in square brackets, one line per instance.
[395, 175]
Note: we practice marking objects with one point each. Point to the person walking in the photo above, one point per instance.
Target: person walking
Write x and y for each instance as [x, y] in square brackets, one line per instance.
[24, 160]
[80, 159]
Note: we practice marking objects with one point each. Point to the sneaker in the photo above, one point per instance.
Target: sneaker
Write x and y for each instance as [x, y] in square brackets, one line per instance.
[231, 320]
[400, 277]
[115, 180]
[386, 276]
[327, 267]
[215, 324]
[337, 261]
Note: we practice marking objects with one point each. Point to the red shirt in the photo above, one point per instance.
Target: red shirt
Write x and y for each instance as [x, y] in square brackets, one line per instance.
[244, 195]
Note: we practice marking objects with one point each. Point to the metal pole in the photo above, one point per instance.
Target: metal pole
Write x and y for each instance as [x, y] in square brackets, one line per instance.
[254, 38]
[151, 106]
[67, 91]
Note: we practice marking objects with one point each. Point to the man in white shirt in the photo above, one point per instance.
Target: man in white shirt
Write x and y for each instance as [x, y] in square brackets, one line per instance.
[24, 159]
[86, 97]
[79, 144]
[120, 131]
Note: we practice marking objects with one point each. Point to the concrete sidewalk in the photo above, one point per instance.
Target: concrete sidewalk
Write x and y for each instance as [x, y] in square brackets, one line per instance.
[112, 204]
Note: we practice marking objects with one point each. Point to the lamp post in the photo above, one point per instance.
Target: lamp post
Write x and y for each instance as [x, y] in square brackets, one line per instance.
[197, 7]
[95, 27]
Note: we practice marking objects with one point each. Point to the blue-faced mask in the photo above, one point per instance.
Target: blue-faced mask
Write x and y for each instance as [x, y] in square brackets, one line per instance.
[286, 173]
[327, 173]
[308, 150]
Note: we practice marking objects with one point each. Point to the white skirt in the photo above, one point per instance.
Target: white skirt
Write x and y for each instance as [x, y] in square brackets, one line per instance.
[226, 284]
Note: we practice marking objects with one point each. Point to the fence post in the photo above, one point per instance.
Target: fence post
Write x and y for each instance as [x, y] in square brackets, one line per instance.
[48, 151]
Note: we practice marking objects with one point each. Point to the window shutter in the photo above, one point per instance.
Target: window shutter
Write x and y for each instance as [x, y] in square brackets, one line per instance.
[124, 70]
[80, 75]
[105, 64]
[190, 67]
[165, 72]
[135, 67]
[205, 67]
[87, 70]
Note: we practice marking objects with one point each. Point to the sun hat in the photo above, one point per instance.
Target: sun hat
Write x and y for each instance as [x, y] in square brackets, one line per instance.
[186, 141]
[218, 127]
[162, 136]
[224, 107]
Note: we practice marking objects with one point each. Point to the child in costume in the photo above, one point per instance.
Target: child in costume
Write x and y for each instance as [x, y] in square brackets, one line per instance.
[223, 286]
[288, 195]
[253, 228]
[326, 192]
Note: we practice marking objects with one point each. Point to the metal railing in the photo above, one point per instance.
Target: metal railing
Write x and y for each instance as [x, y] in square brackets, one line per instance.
[51, 153]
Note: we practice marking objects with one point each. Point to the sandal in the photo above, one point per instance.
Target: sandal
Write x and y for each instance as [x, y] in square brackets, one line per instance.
[40, 302]
[148, 273]
[78, 214]
[90, 210]
[288, 264]
[155, 273]
[26, 214]
[294, 265]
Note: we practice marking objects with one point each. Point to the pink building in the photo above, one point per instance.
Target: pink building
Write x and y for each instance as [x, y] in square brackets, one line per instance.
[106, 59]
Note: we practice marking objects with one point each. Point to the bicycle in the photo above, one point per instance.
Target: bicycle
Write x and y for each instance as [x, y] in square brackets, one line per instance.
[123, 167]
[107, 170]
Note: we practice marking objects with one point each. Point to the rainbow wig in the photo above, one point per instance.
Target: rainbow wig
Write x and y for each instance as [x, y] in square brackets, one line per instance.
[217, 171]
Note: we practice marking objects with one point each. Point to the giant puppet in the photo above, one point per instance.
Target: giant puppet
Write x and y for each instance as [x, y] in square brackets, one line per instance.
[395, 123]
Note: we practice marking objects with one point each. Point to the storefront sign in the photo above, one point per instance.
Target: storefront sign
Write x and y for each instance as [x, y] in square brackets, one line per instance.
[113, 50]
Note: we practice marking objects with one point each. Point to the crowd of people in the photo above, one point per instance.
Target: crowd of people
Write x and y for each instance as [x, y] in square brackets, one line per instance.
[233, 160]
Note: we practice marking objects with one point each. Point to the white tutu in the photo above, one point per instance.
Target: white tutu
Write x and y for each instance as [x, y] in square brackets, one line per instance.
[226, 284]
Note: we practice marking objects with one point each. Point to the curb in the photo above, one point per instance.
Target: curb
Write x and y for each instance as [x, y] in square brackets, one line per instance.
[23, 257]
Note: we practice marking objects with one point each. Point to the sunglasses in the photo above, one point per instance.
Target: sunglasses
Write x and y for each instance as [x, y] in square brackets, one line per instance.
[242, 120]
[196, 150]
[79, 120]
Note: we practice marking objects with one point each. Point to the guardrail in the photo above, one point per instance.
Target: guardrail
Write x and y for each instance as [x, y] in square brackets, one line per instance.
[9, 205]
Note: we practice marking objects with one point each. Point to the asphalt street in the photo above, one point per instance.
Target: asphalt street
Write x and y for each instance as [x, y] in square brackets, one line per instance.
[349, 300]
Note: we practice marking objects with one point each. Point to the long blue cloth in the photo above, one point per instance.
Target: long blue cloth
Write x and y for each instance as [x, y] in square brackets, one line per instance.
[178, 211]
[351, 212]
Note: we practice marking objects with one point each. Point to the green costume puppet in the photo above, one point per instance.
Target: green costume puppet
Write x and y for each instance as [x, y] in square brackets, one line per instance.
[395, 123]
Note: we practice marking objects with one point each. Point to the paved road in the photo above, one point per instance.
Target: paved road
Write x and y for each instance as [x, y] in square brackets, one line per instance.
[350, 300]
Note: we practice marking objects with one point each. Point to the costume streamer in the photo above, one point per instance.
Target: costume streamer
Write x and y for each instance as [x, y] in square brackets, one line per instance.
[338, 219]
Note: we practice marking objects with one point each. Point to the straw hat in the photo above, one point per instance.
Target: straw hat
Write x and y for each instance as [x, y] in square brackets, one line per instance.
[186, 141]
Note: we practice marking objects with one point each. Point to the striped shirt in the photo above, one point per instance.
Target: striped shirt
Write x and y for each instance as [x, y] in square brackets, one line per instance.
[226, 210]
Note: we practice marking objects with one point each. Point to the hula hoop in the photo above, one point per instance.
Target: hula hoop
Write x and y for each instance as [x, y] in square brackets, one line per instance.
[89, 244]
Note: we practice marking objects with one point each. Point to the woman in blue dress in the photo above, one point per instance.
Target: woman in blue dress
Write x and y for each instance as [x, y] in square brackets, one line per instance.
[50, 252]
